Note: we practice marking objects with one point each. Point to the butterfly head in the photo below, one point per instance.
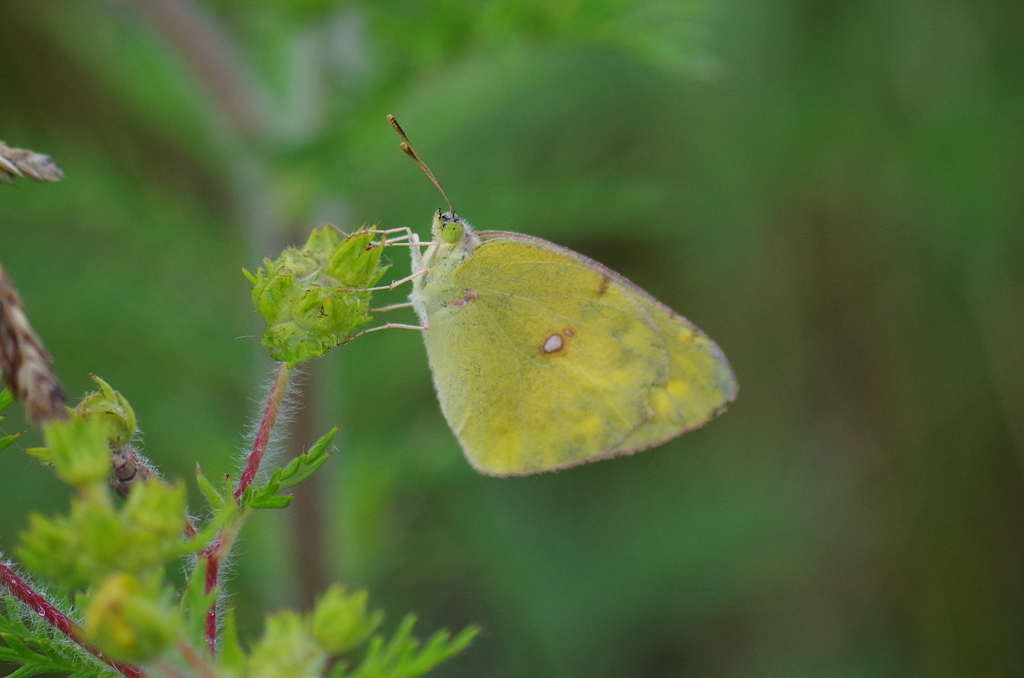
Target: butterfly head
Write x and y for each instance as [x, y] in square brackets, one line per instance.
[450, 229]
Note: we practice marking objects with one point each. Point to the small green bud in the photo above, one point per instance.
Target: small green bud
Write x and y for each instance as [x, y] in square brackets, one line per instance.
[340, 622]
[286, 650]
[154, 519]
[354, 263]
[110, 405]
[131, 620]
[313, 298]
[78, 449]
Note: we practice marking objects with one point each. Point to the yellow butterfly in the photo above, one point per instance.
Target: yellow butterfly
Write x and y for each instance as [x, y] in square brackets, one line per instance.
[544, 359]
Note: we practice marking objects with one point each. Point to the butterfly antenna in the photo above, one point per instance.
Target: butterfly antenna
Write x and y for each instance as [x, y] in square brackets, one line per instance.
[411, 152]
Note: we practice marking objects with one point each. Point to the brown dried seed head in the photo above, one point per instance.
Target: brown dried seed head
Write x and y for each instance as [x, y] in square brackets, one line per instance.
[26, 367]
[21, 162]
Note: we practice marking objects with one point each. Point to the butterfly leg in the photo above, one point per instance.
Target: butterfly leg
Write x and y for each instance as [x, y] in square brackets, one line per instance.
[392, 307]
[392, 285]
[387, 326]
[407, 235]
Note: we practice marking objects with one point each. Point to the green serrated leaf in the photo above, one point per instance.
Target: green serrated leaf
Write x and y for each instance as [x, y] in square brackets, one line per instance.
[320, 445]
[298, 469]
[6, 441]
[307, 464]
[31, 670]
[6, 399]
[403, 657]
[256, 492]
[231, 655]
[339, 670]
[18, 647]
[272, 485]
[213, 497]
[195, 603]
[276, 501]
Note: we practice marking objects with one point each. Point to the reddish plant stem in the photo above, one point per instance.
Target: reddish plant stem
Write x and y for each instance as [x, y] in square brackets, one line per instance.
[20, 589]
[259, 445]
[212, 554]
[212, 557]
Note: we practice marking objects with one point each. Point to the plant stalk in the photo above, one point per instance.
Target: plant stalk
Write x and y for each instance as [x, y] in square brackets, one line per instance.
[214, 553]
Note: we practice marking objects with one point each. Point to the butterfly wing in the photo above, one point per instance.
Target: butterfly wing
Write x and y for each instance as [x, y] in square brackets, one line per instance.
[545, 359]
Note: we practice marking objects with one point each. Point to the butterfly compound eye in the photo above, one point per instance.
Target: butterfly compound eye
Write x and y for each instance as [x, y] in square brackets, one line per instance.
[452, 232]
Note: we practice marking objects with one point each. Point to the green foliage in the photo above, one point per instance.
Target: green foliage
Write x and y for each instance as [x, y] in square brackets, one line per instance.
[293, 645]
[78, 449]
[232, 656]
[33, 645]
[340, 621]
[286, 649]
[98, 538]
[132, 618]
[196, 603]
[118, 554]
[314, 297]
[297, 470]
[110, 406]
[6, 399]
[403, 657]
[5, 441]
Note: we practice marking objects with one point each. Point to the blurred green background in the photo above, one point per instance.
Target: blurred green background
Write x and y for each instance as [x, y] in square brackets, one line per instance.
[833, 191]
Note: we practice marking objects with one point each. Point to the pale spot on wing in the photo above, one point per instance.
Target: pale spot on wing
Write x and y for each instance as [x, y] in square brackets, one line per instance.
[553, 343]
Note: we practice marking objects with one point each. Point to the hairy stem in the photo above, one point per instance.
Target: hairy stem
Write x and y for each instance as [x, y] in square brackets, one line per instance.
[259, 446]
[215, 552]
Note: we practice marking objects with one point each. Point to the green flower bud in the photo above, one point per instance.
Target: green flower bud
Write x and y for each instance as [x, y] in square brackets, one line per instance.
[154, 520]
[78, 449]
[111, 406]
[340, 622]
[78, 549]
[314, 297]
[95, 539]
[131, 620]
[286, 650]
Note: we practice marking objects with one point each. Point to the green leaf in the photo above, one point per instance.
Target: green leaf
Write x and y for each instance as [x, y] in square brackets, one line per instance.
[195, 604]
[6, 441]
[20, 649]
[32, 644]
[297, 470]
[213, 497]
[402, 657]
[276, 501]
[307, 464]
[231, 655]
[6, 399]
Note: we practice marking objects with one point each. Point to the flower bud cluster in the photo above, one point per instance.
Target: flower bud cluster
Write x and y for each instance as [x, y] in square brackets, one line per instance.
[315, 296]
